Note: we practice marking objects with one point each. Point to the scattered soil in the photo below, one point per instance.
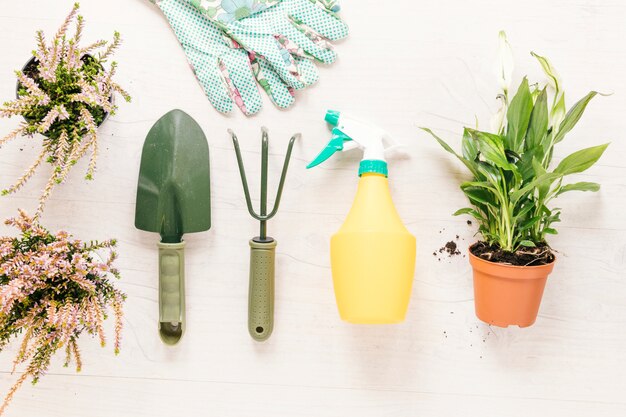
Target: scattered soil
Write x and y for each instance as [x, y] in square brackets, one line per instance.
[540, 255]
[451, 249]
[469, 222]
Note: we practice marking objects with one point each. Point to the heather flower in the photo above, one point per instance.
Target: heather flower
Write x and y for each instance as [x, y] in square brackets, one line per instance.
[64, 94]
[53, 289]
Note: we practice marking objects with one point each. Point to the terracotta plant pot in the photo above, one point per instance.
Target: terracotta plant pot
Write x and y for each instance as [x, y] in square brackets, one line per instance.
[506, 295]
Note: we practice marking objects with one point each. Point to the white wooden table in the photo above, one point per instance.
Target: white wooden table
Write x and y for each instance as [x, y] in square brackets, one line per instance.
[411, 64]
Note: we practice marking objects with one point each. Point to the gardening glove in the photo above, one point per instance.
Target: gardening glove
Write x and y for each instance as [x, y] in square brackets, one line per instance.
[225, 71]
[286, 34]
[231, 10]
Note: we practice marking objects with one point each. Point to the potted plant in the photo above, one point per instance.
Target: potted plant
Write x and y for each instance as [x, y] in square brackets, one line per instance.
[513, 184]
[64, 93]
[52, 290]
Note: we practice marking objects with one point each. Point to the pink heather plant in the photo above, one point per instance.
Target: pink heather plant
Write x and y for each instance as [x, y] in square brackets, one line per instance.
[64, 93]
[52, 289]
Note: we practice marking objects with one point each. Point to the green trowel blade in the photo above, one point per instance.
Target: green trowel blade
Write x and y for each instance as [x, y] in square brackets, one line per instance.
[173, 195]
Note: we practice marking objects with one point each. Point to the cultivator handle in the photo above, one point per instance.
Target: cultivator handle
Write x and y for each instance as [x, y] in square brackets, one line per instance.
[171, 291]
[261, 292]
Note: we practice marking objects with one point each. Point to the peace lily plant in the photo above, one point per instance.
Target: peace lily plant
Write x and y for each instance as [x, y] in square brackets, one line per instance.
[64, 93]
[513, 185]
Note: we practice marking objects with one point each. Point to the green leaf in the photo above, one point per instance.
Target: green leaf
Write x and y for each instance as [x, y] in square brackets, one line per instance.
[547, 67]
[527, 243]
[512, 156]
[443, 143]
[469, 164]
[469, 146]
[525, 165]
[523, 211]
[538, 126]
[480, 195]
[554, 218]
[545, 178]
[479, 184]
[580, 160]
[466, 210]
[470, 211]
[491, 173]
[491, 148]
[573, 116]
[544, 187]
[518, 117]
[579, 186]
[527, 224]
[550, 231]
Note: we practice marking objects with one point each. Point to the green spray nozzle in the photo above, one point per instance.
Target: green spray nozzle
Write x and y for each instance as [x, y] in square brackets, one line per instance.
[350, 133]
[332, 117]
[335, 144]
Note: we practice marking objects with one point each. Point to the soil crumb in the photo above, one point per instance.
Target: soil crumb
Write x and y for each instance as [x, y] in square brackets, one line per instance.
[540, 255]
[450, 248]
[469, 222]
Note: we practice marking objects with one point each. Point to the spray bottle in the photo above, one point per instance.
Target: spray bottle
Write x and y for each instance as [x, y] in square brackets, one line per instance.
[372, 254]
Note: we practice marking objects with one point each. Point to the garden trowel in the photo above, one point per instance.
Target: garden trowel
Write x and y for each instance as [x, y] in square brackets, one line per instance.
[173, 198]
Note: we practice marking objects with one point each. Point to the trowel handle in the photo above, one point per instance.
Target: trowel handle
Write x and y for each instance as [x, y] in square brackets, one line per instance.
[171, 291]
[261, 292]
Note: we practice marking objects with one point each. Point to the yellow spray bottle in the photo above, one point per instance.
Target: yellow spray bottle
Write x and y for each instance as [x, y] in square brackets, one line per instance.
[372, 255]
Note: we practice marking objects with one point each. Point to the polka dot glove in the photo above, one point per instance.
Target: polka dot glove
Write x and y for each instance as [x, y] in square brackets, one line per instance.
[287, 36]
[227, 73]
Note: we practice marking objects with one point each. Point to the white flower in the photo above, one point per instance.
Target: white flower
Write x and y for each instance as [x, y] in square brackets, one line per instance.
[553, 77]
[505, 62]
[497, 121]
